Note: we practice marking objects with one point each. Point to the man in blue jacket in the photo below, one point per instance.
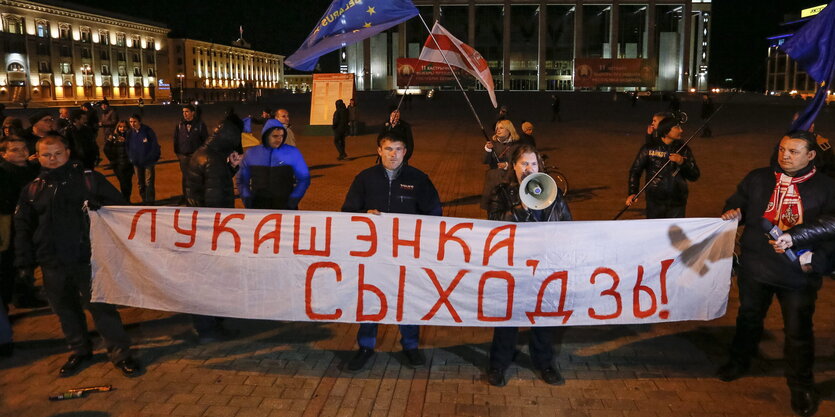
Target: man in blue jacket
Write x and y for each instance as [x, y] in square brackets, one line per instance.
[391, 187]
[273, 175]
[143, 153]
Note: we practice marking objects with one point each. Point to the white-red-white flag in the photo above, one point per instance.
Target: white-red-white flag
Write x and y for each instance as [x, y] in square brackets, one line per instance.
[458, 54]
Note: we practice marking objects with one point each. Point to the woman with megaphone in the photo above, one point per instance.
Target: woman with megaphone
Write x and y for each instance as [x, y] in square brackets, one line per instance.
[526, 196]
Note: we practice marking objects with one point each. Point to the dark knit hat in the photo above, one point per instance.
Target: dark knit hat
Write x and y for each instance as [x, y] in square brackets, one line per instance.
[35, 118]
[665, 125]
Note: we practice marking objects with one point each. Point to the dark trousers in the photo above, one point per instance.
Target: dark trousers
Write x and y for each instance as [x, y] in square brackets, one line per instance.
[541, 346]
[184, 159]
[798, 308]
[206, 325]
[124, 173]
[68, 290]
[367, 336]
[657, 209]
[145, 179]
[339, 143]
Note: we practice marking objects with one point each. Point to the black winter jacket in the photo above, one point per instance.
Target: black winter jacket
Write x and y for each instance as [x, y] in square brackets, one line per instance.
[115, 149]
[410, 192]
[12, 180]
[758, 260]
[505, 197]
[209, 180]
[51, 226]
[83, 146]
[186, 140]
[670, 185]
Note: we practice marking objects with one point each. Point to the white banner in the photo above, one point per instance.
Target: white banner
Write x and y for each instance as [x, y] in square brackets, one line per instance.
[407, 269]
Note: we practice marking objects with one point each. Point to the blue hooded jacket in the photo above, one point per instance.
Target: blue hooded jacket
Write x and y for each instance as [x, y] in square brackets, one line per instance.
[143, 146]
[272, 178]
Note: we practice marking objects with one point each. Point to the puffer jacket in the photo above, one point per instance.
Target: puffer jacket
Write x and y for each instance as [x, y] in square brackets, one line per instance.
[671, 184]
[272, 178]
[209, 176]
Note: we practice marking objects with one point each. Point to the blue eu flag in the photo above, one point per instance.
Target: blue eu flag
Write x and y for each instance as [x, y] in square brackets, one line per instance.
[813, 47]
[347, 22]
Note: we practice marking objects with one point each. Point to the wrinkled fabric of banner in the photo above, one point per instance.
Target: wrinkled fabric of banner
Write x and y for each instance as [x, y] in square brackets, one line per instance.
[408, 269]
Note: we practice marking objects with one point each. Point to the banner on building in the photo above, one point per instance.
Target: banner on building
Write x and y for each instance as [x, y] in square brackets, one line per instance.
[327, 88]
[604, 72]
[425, 73]
[407, 269]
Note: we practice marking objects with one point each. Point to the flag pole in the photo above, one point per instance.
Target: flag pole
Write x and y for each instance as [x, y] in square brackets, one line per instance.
[406, 90]
[466, 97]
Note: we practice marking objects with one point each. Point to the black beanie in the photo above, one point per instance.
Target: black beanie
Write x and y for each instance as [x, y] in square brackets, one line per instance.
[35, 118]
[665, 125]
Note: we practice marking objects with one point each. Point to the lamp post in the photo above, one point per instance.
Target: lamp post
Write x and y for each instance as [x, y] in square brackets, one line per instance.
[180, 77]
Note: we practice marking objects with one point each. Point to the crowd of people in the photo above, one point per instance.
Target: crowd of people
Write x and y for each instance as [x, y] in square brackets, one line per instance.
[49, 182]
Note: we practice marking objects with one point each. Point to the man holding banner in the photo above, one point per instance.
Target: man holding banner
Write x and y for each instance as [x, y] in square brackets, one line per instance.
[391, 187]
[781, 196]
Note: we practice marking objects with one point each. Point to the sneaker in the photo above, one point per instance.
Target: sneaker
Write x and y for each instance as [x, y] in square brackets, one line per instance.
[731, 371]
[414, 358]
[360, 359]
[495, 377]
[552, 377]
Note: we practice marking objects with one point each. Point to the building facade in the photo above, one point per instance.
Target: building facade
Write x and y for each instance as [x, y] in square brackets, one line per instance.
[783, 74]
[213, 72]
[53, 53]
[532, 45]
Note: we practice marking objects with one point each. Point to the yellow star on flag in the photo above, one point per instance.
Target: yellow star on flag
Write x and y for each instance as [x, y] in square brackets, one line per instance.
[370, 10]
[366, 25]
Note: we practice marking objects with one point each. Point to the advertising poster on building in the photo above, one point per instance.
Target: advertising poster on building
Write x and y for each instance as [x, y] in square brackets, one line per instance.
[425, 73]
[600, 72]
[327, 88]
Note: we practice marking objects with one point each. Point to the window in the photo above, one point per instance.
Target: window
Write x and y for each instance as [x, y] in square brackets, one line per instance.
[42, 48]
[150, 44]
[179, 49]
[14, 24]
[120, 56]
[65, 31]
[122, 71]
[136, 72]
[85, 52]
[151, 72]
[136, 41]
[120, 40]
[43, 67]
[85, 35]
[105, 70]
[65, 68]
[180, 61]
[104, 37]
[86, 70]
[42, 29]
[15, 67]
[66, 51]
[135, 57]
[104, 54]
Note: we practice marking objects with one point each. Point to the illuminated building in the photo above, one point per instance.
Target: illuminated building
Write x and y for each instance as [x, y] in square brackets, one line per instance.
[532, 45]
[55, 52]
[783, 75]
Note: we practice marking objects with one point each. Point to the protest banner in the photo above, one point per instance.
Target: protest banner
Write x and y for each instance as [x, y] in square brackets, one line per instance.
[409, 269]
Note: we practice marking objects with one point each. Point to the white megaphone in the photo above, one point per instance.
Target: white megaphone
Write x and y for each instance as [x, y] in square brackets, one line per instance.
[538, 191]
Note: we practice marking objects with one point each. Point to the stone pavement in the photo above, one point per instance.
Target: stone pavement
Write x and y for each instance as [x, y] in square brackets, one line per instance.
[296, 368]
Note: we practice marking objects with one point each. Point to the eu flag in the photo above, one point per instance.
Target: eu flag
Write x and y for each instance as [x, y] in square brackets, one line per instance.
[813, 47]
[347, 22]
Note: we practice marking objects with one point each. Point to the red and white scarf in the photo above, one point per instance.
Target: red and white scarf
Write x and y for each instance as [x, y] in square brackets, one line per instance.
[785, 209]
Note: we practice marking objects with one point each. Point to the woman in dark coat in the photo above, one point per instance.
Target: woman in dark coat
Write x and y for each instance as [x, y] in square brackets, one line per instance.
[340, 128]
[117, 153]
[505, 205]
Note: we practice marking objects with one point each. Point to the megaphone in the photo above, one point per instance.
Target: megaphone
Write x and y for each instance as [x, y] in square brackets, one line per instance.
[538, 191]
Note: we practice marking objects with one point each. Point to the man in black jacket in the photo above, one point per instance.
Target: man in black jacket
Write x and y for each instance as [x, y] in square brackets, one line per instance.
[82, 140]
[52, 230]
[391, 187]
[189, 135]
[789, 193]
[667, 193]
[209, 183]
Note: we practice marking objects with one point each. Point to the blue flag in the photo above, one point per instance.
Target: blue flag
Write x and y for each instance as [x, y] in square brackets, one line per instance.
[347, 22]
[813, 47]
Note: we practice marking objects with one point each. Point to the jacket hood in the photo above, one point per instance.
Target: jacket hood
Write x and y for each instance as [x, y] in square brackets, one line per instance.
[227, 136]
[269, 125]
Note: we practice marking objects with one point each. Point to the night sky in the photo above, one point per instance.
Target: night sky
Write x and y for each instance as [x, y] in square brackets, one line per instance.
[738, 48]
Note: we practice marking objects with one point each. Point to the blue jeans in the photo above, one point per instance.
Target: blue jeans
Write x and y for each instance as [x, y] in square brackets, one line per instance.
[5, 327]
[367, 336]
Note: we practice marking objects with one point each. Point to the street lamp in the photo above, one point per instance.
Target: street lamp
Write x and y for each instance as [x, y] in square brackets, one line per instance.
[181, 76]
